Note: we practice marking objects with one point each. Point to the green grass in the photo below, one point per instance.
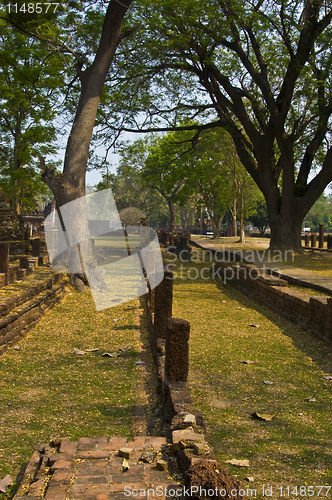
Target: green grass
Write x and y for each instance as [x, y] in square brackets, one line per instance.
[47, 391]
[295, 447]
[316, 261]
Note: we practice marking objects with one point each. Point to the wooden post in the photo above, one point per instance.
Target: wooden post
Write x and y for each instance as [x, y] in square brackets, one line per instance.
[321, 236]
[329, 241]
[313, 240]
[306, 240]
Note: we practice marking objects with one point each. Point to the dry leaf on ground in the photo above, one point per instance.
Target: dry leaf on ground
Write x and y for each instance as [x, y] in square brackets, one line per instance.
[264, 416]
[312, 399]
[78, 352]
[238, 463]
[126, 348]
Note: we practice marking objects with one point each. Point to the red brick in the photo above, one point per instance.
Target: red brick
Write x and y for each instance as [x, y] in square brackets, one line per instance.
[93, 454]
[119, 487]
[92, 467]
[68, 446]
[138, 443]
[155, 442]
[135, 474]
[92, 443]
[117, 442]
[61, 464]
[56, 493]
[93, 480]
[55, 457]
[88, 489]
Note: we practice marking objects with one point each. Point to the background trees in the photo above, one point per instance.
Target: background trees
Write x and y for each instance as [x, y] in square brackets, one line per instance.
[261, 70]
[29, 96]
[84, 36]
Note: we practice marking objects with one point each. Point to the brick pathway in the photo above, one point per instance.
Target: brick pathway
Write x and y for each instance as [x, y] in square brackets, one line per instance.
[94, 469]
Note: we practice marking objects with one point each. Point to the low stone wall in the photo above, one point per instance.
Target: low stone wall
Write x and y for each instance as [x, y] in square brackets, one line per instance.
[169, 339]
[312, 313]
[21, 312]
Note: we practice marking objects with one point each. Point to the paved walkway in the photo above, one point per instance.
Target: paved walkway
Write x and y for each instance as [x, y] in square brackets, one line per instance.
[96, 469]
[292, 274]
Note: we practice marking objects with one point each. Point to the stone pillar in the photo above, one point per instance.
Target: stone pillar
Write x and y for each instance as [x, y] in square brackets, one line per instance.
[24, 263]
[163, 305]
[321, 236]
[313, 240]
[306, 240]
[4, 260]
[177, 350]
[35, 247]
[329, 241]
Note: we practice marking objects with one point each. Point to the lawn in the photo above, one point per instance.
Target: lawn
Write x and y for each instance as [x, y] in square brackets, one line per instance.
[48, 391]
[316, 261]
[295, 447]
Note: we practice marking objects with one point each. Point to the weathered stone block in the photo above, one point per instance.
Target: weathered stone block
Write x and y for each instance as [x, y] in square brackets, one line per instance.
[185, 436]
[177, 350]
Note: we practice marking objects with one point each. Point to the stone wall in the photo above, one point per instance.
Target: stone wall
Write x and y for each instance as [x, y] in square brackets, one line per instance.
[169, 339]
[312, 313]
[21, 312]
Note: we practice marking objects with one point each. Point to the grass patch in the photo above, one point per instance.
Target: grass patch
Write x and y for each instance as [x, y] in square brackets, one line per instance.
[316, 261]
[294, 448]
[47, 391]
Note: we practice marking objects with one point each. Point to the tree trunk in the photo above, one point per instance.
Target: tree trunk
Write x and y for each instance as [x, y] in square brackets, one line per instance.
[70, 185]
[172, 222]
[234, 213]
[242, 237]
[216, 228]
[241, 214]
[286, 232]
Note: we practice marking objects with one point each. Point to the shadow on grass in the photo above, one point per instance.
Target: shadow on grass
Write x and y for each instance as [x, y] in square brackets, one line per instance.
[319, 351]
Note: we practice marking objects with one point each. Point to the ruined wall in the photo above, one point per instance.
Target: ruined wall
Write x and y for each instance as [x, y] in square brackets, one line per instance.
[311, 313]
[20, 313]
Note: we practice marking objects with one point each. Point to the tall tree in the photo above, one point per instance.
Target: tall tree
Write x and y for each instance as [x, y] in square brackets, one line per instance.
[261, 69]
[164, 171]
[28, 96]
[87, 34]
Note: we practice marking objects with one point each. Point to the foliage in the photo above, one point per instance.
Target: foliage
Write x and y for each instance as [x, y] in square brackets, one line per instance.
[320, 213]
[128, 189]
[260, 69]
[260, 219]
[131, 216]
[28, 99]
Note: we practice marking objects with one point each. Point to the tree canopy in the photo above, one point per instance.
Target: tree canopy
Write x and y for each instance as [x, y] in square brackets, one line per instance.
[261, 69]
